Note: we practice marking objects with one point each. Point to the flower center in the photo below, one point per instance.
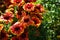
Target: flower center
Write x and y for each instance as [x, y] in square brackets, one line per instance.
[27, 1]
[17, 28]
[35, 21]
[38, 7]
[30, 1]
[26, 20]
[6, 17]
[29, 7]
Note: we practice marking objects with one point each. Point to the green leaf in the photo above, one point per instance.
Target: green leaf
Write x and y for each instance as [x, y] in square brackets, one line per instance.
[15, 8]
[6, 26]
[38, 1]
[15, 19]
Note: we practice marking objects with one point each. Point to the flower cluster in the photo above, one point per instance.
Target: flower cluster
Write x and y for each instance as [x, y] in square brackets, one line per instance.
[25, 12]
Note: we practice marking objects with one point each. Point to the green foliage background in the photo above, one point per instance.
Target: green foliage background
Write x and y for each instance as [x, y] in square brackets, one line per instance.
[50, 27]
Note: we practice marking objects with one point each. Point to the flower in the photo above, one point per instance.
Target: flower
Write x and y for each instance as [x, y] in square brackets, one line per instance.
[1, 26]
[21, 4]
[18, 2]
[30, 1]
[7, 17]
[26, 19]
[29, 7]
[15, 38]
[36, 20]
[24, 36]
[7, 3]
[17, 29]
[39, 8]
[33, 0]
[3, 35]
[10, 9]
[39, 15]
[20, 14]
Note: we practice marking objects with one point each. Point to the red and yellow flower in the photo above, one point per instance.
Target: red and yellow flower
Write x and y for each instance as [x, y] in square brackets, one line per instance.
[7, 17]
[15, 38]
[29, 1]
[36, 20]
[20, 14]
[17, 2]
[39, 8]
[29, 7]
[24, 36]
[27, 20]
[7, 3]
[39, 15]
[17, 29]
